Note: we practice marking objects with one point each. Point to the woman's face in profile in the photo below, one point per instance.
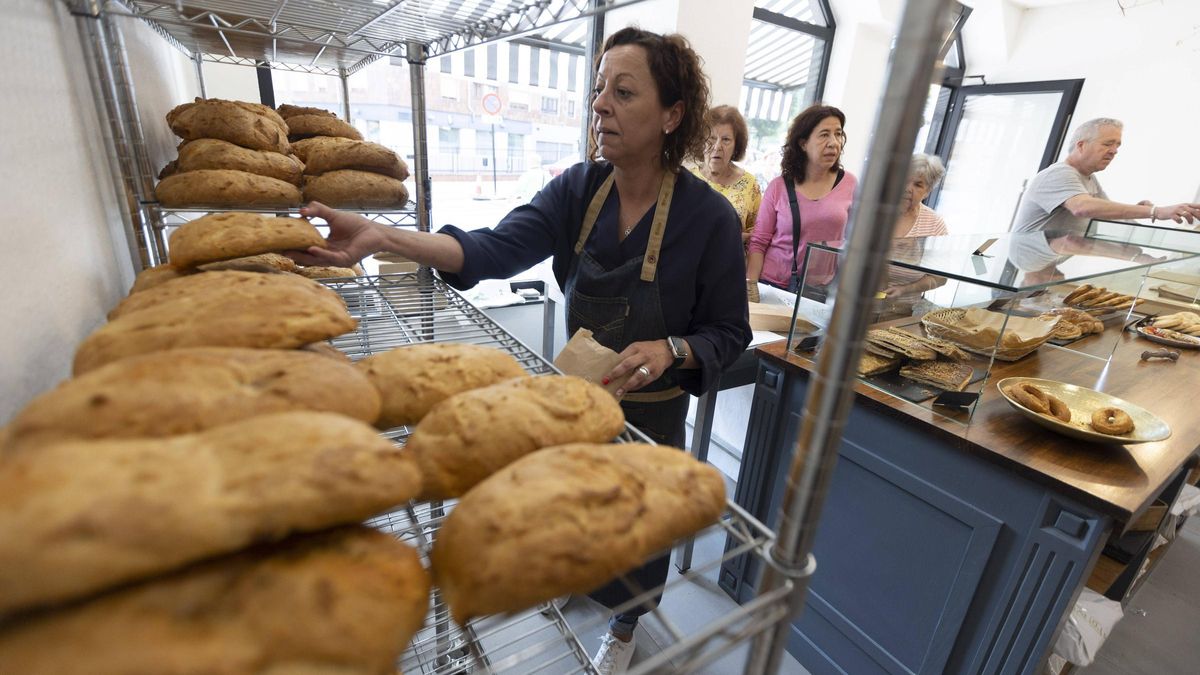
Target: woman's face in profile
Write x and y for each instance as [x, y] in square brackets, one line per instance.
[627, 116]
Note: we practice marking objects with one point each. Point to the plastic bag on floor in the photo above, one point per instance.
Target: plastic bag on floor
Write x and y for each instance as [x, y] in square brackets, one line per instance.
[1188, 501]
[1055, 665]
[1089, 625]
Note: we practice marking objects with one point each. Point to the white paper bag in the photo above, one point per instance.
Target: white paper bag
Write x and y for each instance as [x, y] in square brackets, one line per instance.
[1089, 625]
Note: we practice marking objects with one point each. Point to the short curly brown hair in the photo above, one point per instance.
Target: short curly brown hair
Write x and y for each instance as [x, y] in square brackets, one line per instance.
[727, 114]
[679, 76]
[795, 161]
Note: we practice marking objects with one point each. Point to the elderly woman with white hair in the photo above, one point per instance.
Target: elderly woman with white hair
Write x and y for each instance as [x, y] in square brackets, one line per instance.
[917, 220]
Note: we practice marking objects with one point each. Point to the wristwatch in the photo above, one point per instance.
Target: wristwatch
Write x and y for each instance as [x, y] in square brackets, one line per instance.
[679, 351]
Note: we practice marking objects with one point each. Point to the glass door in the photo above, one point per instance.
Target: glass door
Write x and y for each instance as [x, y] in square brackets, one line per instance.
[996, 138]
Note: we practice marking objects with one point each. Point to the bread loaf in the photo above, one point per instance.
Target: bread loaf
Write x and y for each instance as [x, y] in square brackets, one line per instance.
[305, 126]
[193, 285]
[357, 155]
[222, 236]
[351, 189]
[246, 124]
[210, 153]
[287, 110]
[225, 188]
[153, 276]
[471, 435]
[77, 517]
[189, 390]
[325, 272]
[264, 311]
[413, 379]
[342, 602]
[262, 263]
[567, 520]
[303, 147]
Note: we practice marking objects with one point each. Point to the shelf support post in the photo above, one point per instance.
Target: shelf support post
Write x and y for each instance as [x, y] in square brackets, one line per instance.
[923, 28]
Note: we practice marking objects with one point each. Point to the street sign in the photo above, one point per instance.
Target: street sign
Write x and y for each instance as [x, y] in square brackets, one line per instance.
[491, 103]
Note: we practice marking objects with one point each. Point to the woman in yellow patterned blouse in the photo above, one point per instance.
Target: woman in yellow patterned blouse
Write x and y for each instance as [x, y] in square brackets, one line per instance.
[727, 140]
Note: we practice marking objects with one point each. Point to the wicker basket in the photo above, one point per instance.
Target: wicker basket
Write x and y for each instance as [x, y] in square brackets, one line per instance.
[977, 331]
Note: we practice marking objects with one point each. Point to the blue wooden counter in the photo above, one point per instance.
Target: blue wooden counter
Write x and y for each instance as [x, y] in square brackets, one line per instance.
[944, 548]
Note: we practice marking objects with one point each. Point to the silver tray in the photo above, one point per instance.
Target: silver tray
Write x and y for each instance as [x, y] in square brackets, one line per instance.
[1141, 326]
[1082, 401]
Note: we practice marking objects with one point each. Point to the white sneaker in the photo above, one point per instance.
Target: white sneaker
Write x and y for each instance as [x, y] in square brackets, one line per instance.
[614, 655]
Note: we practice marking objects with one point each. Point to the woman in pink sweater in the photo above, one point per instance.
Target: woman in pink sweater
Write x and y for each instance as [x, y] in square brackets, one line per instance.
[821, 191]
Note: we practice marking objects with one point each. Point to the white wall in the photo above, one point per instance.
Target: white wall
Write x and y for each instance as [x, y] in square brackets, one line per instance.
[65, 258]
[717, 29]
[1142, 67]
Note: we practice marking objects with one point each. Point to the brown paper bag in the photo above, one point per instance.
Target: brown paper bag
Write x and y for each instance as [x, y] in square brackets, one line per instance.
[777, 319]
[584, 357]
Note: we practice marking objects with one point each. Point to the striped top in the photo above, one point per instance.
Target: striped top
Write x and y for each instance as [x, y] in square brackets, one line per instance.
[928, 224]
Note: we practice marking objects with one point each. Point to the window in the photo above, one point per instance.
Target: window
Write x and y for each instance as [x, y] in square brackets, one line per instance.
[469, 63]
[554, 70]
[516, 152]
[493, 57]
[573, 69]
[535, 60]
[786, 62]
[550, 152]
[570, 107]
[446, 64]
[514, 62]
[550, 105]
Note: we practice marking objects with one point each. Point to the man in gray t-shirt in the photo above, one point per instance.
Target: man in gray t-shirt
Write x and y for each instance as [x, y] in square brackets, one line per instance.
[1063, 197]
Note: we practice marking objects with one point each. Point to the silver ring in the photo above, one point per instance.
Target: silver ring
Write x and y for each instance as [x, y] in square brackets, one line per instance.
[644, 371]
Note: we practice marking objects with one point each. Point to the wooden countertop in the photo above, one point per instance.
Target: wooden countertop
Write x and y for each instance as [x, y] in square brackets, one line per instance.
[1120, 481]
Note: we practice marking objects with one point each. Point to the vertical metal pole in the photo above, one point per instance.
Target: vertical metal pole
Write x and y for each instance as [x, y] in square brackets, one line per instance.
[143, 171]
[831, 393]
[594, 45]
[266, 84]
[111, 89]
[199, 61]
[415, 54]
[345, 77]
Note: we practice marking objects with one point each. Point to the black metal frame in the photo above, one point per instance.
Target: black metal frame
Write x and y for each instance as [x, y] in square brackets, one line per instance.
[1069, 89]
[825, 33]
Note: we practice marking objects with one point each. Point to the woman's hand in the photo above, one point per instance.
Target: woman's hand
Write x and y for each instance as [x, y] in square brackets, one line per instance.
[351, 238]
[752, 291]
[646, 360]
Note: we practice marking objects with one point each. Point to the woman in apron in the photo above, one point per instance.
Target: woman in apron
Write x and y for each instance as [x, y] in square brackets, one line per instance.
[648, 256]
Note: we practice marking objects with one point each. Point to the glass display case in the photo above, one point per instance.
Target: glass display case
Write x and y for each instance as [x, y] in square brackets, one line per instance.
[1176, 287]
[952, 309]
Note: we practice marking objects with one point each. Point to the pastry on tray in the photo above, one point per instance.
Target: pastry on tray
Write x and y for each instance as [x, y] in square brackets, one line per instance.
[902, 343]
[1099, 298]
[940, 374]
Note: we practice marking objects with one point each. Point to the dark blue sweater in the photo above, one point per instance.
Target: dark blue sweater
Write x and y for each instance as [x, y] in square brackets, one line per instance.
[701, 271]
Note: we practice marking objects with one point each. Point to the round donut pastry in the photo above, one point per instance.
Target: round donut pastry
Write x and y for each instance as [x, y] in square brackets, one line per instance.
[1059, 409]
[1112, 421]
[1030, 397]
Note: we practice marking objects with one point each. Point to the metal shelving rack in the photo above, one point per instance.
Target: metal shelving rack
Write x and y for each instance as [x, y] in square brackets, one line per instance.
[411, 308]
[341, 37]
[324, 37]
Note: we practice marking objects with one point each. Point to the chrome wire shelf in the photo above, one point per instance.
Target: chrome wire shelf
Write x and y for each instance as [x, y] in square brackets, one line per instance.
[343, 36]
[400, 309]
[542, 640]
[172, 217]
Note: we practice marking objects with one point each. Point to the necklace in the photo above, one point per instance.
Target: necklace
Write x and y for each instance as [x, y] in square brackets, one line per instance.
[628, 230]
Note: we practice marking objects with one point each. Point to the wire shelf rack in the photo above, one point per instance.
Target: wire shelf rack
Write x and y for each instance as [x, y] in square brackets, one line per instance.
[172, 217]
[401, 309]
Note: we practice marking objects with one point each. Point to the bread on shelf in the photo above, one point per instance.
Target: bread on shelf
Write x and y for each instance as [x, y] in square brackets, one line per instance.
[211, 153]
[567, 520]
[226, 188]
[351, 189]
[357, 155]
[224, 236]
[305, 126]
[80, 516]
[249, 125]
[345, 602]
